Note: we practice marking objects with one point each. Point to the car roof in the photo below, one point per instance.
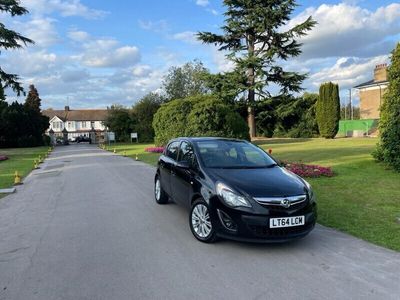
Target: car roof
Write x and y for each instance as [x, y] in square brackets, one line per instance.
[205, 139]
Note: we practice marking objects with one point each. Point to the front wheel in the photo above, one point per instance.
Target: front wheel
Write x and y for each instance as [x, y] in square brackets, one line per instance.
[200, 222]
[159, 194]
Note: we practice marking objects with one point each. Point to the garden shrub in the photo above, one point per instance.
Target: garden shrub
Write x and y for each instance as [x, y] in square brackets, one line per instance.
[328, 110]
[202, 115]
[388, 149]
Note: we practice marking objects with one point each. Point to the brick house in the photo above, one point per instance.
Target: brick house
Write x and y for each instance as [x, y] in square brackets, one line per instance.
[371, 93]
[78, 122]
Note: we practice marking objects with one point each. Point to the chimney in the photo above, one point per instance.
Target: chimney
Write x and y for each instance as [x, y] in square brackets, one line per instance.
[67, 108]
[380, 73]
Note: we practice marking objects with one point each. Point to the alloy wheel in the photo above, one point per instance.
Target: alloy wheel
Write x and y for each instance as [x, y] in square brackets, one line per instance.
[201, 222]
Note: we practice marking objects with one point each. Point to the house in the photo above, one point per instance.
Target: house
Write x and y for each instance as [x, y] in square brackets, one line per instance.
[371, 93]
[77, 122]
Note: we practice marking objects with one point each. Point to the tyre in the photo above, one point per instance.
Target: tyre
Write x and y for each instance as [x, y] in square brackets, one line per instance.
[200, 222]
[159, 194]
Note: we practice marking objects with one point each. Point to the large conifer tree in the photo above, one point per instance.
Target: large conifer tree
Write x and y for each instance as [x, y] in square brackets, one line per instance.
[33, 100]
[256, 39]
[10, 39]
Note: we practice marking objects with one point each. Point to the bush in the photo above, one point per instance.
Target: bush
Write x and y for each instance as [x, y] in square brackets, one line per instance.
[202, 115]
[328, 110]
[212, 117]
[388, 149]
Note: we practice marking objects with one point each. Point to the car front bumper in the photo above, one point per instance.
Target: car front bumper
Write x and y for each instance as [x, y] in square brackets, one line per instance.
[255, 227]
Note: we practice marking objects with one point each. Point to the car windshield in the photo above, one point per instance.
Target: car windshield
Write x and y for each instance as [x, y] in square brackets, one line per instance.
[233, 155]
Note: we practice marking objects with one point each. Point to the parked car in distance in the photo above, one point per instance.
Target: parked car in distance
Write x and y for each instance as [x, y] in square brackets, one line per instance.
[235, 190]
[82, 138]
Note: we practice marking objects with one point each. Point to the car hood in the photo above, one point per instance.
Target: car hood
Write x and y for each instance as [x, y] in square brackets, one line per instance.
[263, 182]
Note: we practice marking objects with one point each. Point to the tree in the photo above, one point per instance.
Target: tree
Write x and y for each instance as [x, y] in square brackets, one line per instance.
[33, 100]
[328, 110]
[144, 111]
[188, 80]
[2, 95]
[10, 39]
[201, 115]
[255, 37]
[388, 149]
[121, 121]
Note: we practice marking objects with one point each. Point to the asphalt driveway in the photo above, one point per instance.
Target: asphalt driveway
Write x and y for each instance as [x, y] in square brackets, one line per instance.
[85, 226]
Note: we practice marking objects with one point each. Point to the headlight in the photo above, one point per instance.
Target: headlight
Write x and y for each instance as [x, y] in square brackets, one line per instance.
[230, 197]
[310, 192]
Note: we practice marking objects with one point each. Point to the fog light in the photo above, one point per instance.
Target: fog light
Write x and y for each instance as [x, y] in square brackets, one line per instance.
[227, 221]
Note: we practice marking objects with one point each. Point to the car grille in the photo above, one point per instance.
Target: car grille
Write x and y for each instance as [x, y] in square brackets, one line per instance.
[266, 232]
[274, 203]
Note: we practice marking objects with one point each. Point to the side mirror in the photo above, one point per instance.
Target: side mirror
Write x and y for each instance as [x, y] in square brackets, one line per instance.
[183, 165]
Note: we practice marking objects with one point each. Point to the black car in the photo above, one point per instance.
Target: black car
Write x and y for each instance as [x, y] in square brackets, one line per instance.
[234, 190]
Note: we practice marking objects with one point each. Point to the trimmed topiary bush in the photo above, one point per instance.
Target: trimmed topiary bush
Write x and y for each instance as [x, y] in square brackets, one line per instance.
[202, 115]
[388, 149]
[328, 110]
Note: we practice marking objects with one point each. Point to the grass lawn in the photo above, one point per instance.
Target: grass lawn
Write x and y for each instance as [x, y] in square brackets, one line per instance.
[363, 199]
[19, 159]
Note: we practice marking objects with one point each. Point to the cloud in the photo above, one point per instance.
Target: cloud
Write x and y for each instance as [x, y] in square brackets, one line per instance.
[106, 53]
[348, 30]
[155, 26]
[28, 63]
[203, 3]
[78, 36]
[66, 8]
[187, 37]
[347, 71]
[74, 75]
[41, 30]
[221, 62]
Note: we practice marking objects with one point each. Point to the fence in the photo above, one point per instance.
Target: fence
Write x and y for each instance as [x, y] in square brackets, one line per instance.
[357, 128]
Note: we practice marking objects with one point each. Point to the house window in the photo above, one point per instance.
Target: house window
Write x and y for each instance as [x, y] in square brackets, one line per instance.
[83, 124]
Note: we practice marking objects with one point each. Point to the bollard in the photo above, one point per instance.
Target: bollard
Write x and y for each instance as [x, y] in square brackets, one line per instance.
[35, 165]
[115, 151]
[40, 159]
[136, 157]
[124, 153]
[17, 179]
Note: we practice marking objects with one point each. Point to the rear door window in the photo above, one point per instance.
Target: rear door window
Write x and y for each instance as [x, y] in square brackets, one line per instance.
[172, 150]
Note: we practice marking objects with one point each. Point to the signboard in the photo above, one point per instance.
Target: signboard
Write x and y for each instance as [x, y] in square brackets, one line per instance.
[134, 135]
[111, 136]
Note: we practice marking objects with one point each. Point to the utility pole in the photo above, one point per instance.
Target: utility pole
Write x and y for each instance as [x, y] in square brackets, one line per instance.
[351, 106]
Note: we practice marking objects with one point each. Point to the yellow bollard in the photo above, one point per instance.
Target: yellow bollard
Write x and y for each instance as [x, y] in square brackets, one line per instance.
[115, 151]
[136, 157]
[17, 178]
[40, 159]
[124, 153]
[35, 165]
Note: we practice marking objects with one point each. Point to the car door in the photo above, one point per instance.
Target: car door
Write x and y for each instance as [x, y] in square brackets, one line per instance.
[166, 164]
[182, 178]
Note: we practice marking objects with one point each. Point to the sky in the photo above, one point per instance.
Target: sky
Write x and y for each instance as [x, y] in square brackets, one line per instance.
[95, 53]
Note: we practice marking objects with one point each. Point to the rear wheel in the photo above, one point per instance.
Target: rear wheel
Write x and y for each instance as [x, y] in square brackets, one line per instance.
[200, 222]
[159, 194]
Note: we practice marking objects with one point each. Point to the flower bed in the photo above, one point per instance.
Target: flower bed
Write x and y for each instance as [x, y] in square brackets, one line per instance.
[154, 149]
[304, 170]
[3, 157]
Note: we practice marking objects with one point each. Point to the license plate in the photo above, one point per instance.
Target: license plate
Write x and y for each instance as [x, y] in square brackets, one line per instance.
[286, 222]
